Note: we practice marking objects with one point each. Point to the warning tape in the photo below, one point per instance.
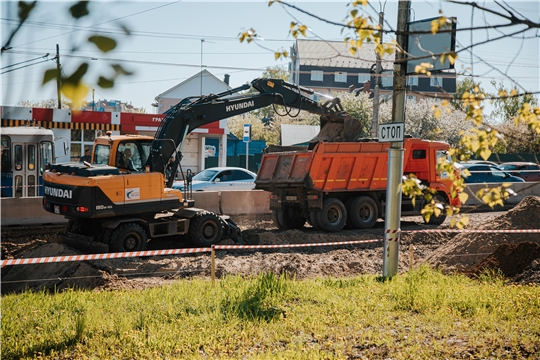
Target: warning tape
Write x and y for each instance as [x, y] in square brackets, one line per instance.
[68, 258]
[236, 247]
[55, 259]
[463, 231]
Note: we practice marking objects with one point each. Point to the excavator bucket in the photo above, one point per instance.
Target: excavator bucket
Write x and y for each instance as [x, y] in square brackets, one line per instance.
[338, 127]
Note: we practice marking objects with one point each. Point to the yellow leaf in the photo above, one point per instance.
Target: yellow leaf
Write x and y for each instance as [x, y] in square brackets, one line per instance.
[75, 93]
[437, 114]
[463, 197]
[485, 153]
[434, 26]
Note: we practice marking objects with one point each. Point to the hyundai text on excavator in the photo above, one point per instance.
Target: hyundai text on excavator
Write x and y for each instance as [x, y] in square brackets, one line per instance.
[116, 203]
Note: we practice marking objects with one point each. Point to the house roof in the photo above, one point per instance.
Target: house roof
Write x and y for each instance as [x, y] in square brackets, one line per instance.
[198, 75]
[336, 54]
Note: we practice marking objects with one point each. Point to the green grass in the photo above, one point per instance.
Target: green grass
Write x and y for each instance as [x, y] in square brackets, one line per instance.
[421, 314]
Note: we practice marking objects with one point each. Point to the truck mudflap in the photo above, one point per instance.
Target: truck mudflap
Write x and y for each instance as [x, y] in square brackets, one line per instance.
[85, 244]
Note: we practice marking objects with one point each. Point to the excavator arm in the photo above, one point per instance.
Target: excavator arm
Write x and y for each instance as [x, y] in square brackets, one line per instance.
[195, 112]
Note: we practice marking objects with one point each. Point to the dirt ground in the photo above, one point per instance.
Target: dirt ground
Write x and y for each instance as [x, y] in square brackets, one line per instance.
[515, 256]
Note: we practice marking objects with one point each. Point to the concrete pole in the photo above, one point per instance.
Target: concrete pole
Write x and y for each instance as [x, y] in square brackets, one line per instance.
[59, 77]
[395, 152]
[377, 89]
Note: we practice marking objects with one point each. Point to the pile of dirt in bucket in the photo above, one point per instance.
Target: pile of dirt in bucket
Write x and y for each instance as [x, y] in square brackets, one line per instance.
[508, 253]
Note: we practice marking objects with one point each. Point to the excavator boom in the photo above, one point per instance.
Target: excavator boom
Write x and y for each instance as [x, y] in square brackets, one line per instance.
[192, 113]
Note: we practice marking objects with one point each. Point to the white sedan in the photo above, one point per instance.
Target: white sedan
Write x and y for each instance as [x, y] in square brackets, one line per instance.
[220, 178]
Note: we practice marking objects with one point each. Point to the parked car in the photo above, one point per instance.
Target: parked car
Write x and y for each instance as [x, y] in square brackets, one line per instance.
[220, 178]
[528, 171]
[480, 162]
[485, 173]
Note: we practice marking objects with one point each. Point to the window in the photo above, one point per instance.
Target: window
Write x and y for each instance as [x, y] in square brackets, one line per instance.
[411, 97]
[387, 80]
[340, 77]
[435, 82]
[240, 175]
[412, 80]
[31, 157]
[419, 154]
[31, 185]
[102, 154]
[316, 75]
[18, 157]
[47, 156]
[6, 154]
[362, 78]
[81, 140]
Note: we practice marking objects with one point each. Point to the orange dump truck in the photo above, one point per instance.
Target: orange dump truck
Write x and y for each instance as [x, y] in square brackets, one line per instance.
[345, 182]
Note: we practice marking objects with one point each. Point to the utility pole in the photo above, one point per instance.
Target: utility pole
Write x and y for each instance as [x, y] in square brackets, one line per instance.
[395, 152]
[58, 76]
[202, 42]
[378, 81]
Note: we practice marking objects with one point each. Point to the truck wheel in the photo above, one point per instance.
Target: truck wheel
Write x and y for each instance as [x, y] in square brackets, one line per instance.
[275, 219]
[333, 215]
[313, 220]
[362, 212]
[205, 229]
[288, 218]
[438, 220]
[128, 237]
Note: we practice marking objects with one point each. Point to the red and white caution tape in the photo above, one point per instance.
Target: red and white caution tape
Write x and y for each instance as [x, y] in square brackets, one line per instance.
[228, 247]
[520, 231]
[68, 258]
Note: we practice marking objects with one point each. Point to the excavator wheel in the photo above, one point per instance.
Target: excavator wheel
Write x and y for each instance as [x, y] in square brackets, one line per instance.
[128, 237]
[86, 227]
[205, 229]
[333, 215]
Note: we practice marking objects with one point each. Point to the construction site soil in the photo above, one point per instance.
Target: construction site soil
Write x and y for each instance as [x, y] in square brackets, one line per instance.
[515, 256]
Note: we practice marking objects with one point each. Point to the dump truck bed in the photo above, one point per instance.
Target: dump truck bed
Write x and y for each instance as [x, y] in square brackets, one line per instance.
[346, 166]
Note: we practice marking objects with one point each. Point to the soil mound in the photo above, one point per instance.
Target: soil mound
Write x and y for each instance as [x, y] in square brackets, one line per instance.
[510, 259]
[58, 276]
[467, 250]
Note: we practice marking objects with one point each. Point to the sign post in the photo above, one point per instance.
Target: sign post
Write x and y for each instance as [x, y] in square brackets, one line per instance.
[393, 132]
[247, 139]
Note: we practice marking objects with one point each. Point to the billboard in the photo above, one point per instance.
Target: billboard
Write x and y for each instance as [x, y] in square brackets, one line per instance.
[425, 47]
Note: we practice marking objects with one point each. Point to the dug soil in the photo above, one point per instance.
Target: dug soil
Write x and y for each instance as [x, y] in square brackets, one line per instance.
[516, 256]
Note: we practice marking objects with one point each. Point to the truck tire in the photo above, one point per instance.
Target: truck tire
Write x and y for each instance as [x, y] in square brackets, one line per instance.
[289, 218]
[333, 216]
[128, 237]
[438, 220]
[205, 229]
[275, 220]
[362, 212]
[294, 218]
[313, 220]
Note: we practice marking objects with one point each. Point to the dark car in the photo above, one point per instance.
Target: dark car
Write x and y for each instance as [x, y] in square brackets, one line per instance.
[528, 171]
[484, 173]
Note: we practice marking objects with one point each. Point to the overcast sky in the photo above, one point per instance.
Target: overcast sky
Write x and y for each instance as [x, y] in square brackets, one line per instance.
[171, 41]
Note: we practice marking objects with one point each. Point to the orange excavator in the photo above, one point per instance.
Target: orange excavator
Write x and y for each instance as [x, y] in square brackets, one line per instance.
[123, 198]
